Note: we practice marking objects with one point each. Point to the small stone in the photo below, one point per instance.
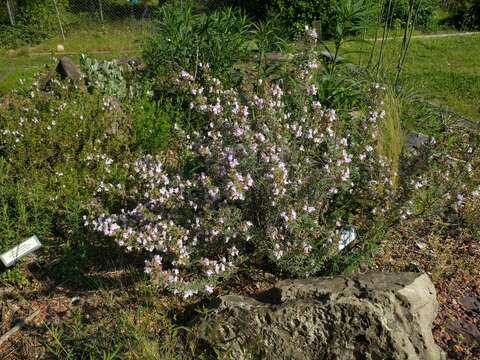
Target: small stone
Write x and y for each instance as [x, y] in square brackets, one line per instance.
[455, 355]
[75, 300]
[421, 245]
[347, 236]
[330, 57]
[471, 303]
[60, 48]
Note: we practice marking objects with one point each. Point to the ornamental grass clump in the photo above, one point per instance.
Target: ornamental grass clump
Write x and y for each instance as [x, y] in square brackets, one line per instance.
[273, 180]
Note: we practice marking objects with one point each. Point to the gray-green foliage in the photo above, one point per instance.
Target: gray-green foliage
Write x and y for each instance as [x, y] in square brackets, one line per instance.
[109, 78]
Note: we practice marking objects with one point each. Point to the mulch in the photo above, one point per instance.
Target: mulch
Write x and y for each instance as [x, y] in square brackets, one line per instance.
[454, 265]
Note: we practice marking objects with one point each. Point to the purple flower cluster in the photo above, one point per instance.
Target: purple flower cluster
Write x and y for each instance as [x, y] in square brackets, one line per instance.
[263, 178]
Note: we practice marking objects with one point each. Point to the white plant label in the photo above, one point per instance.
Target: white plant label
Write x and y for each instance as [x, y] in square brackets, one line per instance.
[347, 236]
[11, 256]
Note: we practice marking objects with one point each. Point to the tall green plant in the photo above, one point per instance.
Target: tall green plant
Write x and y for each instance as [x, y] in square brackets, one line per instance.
[183, 40]
[269, 36]
[413, 14]
[334, 88]
[351, 17]
[386, 20]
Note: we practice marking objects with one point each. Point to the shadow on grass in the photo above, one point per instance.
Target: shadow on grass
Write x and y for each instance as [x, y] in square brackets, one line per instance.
[95, 264]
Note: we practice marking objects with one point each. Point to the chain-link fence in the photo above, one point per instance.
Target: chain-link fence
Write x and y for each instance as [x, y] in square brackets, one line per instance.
[54, 17]
[102, 10]
[108, 10]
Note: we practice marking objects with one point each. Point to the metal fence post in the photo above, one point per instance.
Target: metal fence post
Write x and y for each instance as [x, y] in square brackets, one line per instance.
[59, 20]
[10, 13]
[101, 9]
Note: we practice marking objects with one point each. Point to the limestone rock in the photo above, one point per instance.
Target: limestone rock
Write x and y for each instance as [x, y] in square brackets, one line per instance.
[330, 57]
[417, 141]
[369, 316]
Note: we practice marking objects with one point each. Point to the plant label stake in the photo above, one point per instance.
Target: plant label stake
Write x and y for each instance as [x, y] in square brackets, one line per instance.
[11, 256]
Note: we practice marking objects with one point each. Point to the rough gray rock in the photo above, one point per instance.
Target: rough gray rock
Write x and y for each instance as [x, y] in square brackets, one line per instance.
[417, 141]
[68, 69]
[329, 56]
[371, 316]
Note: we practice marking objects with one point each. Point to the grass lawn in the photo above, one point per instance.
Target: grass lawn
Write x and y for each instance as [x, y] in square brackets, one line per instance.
[12, 69]
[104, 41]
[447, 71]
[444, 70]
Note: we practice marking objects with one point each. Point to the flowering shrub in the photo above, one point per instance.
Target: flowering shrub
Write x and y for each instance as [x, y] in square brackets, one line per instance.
[445, 181]
[55, 145]
[274, 179]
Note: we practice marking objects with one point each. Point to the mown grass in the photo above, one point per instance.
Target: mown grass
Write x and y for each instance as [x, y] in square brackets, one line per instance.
[443, 70]
[116, 37]
[14, 68]
[114, 40]
[447, 70]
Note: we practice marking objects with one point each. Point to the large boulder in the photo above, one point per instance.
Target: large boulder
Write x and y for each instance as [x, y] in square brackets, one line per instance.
[68, 69]
[370, 316]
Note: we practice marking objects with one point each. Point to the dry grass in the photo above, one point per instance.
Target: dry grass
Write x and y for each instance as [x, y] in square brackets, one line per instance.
[391, 135]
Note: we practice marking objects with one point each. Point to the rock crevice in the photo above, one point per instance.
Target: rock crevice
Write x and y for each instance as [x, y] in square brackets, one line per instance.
[370, 316]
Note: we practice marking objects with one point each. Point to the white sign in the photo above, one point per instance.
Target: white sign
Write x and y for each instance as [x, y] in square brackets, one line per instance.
[347, 235]
[11, 256]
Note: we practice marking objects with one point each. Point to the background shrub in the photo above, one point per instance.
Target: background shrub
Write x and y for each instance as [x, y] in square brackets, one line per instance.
[183, 40]
[34, 21]
[399, 11]
[463, 14]
[325, 13]
[298, 13]
[472, 15]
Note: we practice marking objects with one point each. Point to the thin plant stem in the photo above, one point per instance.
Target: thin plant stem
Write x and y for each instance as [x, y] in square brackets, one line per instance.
[384, 38]
[407, 37]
